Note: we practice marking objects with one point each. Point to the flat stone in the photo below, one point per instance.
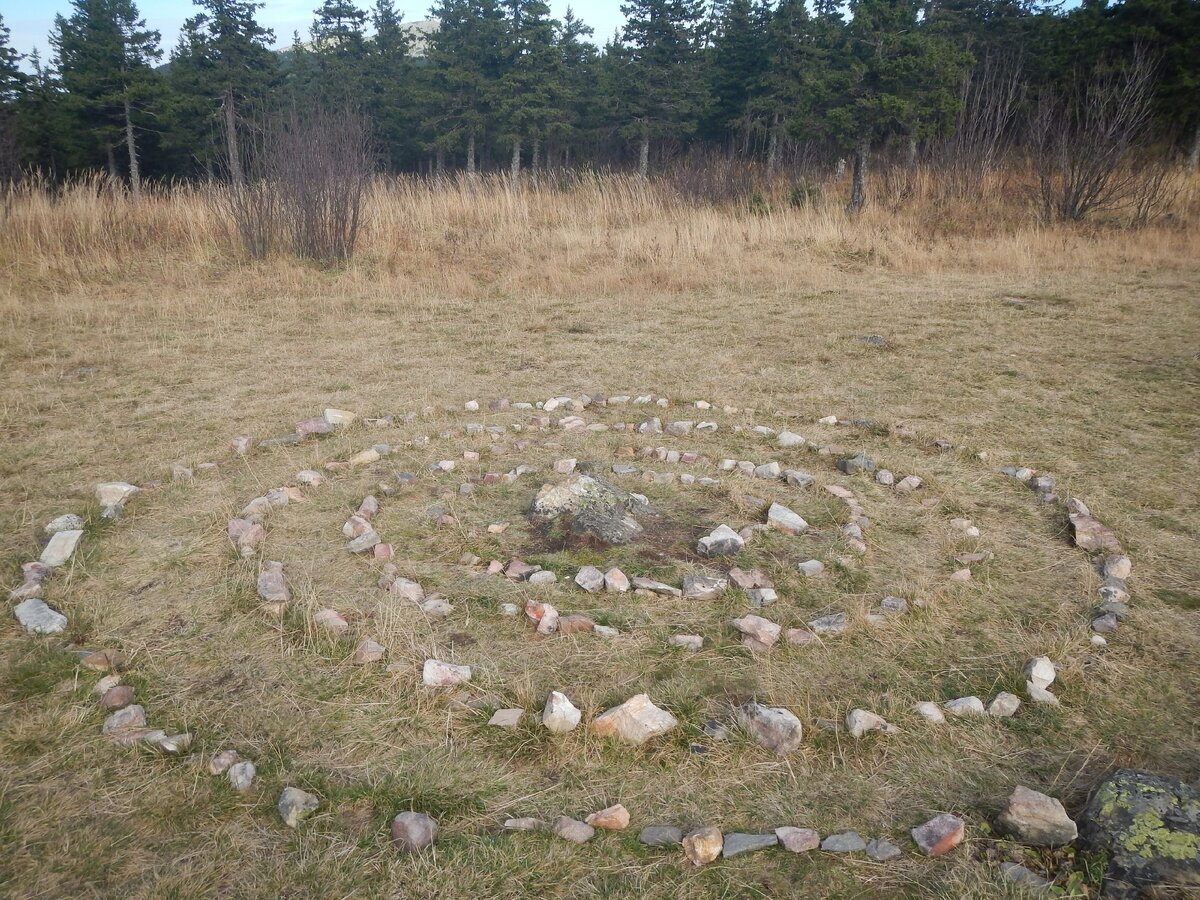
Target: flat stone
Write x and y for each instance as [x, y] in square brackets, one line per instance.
[1040, 694]
[60, 548]
[797, 840]
[117, 697]
[368, 651]
[811, 568]
[616, 581]
[525, 823]
[747, 579]
[783, 519]
[1036, 819]
[1014, 873]
[1092, 535]
[635, 721]
[436, 673]
[829, 626]
[686, 641]
[660, 836]
[612, 818]
[572, 830]
[759, 633]
[939, 835]
[846, 842]
[656, 587]
[703, 587]
[38, 618]
[560, 715]
[413, 832]
[774, 728]
[882, 850]
[798, 479]
[737, 843]
[703, 845]
[112, 496]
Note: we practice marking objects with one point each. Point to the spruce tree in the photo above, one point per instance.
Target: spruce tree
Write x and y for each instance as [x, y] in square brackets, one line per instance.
[532, 101]
[391, 88]
[104, 56]
[666, 91]
[738, 60]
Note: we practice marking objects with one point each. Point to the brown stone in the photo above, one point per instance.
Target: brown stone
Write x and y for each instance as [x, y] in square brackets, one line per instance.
[939, 835]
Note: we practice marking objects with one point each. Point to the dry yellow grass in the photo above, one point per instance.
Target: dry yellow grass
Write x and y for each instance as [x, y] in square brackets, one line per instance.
[134, 338]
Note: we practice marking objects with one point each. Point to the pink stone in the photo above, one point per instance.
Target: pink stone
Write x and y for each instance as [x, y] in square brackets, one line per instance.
[939, 835]
[383, 551]
[241, 444]
[368, 508]
[319, 425]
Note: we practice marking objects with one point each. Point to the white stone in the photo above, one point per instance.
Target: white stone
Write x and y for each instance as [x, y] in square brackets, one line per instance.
[789, 439]
[61, 547]
[1004, 705]
[443, 674]
[931, 712]
[339, 416]
[1039, 694]
[860, 721]
[686, 641]
[635, 721]
[560, 714]
[68, 522]
[965, 707]
[1040, 671]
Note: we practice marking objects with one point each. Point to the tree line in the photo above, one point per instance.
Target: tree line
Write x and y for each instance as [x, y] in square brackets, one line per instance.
[501, 84]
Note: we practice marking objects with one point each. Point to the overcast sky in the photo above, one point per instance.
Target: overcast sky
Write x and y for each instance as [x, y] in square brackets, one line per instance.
[30, 20]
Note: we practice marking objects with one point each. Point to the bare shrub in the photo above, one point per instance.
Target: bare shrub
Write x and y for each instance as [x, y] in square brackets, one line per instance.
[989, 100]
[321, 165]
[1083, 139]
[306, 180]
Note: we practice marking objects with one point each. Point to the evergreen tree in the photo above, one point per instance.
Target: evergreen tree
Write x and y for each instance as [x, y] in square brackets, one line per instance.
[391, 85]
[666, 88]
[532, 88]
[104, 57]
[901, 79]
[232, 66]
[466, 60]
[12, 83]
[339, 50]
[582, 98]
[738, 63]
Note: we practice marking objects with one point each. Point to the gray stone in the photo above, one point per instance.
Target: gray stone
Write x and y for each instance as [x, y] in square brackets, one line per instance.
[882, 850]
[1004, 705]
[661, 836]
[1037, 819]
[797, 840]
[413, 831]
[846, 842]
[811, 568]
[60, 548]
[965, 707]
[1014, 873]
[241, 775]
[295, 805]
[656, 587]
[572, 830]
[939, 835]
[737, 843]
[68, 522]
[1149, 827]
[38, 618]
[722, 541]
[859, 462]
[829, 626]
[775, 729]
[703, 587]
[783, 519]
[525, 823]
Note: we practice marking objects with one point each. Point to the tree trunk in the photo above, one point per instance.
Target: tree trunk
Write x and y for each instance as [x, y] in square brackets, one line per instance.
[773, 145]
[471, 154]
[911, 152]
[231, 140]
[514, 172]
[135, 172]
[1194, 154]
[534, 159]
[441, 162]
[840, 168]
[858, 185]
[112, 162]
[644, 155]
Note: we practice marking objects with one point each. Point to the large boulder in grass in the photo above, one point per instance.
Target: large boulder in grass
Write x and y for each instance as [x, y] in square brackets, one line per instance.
[1148, 826]
[594, 508]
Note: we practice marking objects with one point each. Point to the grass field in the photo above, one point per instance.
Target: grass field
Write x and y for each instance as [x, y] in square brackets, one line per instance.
[135, 338]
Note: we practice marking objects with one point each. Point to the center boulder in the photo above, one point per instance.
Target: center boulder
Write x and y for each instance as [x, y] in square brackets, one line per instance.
[594, 508]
